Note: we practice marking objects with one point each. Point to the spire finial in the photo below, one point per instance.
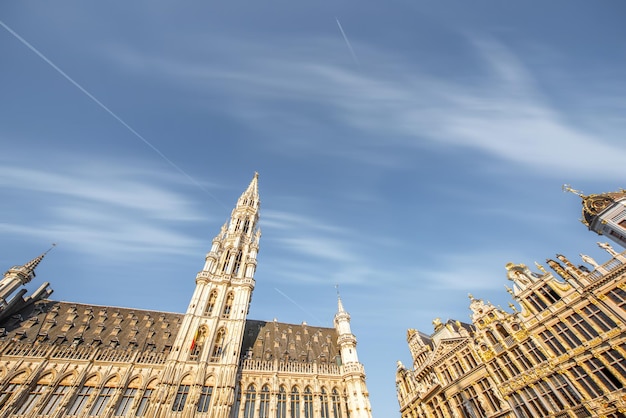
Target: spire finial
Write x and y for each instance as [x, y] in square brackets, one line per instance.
[339, 303]
[568, 189]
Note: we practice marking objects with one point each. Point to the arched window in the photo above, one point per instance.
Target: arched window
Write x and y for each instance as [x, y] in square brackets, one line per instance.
[502, 331]
[324, 404]
[57, 396]
[205, 398]
[281, 404]
[336, 401]
[211, 304]
[11, 388]
[237, 263]
[181, 398]
[216, 354]
[35, 395]
[228, 306]
[144, 402]
[197, 343]
[104, 397]
[295, 403]
[308, 403]
[248, 409]
[127, 398]
[492, 339]
[264, 402]
[83, 395]
[225, 261]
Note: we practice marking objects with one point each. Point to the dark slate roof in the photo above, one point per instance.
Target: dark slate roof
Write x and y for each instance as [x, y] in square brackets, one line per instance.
[287, 342]
[66, 323]
[59, 323]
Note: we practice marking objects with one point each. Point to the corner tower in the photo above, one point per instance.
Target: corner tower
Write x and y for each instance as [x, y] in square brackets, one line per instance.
[604, 213]
[353, 372]
[206, 351]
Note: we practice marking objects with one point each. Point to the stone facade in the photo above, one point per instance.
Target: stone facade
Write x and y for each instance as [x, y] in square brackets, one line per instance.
[70, 359]
[561, 354]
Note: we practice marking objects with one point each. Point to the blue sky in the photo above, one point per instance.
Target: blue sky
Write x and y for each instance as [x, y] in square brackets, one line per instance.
[408, 164]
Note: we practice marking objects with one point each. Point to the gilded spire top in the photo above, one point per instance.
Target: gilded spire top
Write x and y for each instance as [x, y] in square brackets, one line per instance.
[594, 204]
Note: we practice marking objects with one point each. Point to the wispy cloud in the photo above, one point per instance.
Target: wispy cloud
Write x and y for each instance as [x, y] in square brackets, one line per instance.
[100, 208]
[393, 104]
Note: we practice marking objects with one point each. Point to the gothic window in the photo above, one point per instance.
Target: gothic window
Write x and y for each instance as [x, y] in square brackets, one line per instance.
[197, 343]
[295, 403]
[582, 326]
[216, 354]
[281, 403]
[551, 341]
[248, 408]
[308, 403]
[144, 402]
[228, 306]
[225, 261]
[181, 398]
[80, 400]
[246, 226]
[126, 400]
[264, 402]
[608, 379]
[211, 304]
[336, 401]
[11, 388]
[31, 400]
[237, 263]
[599, 318]
[586, 382]
[205, 398]
[54, 400]
[324, 404]
[618, 296]
[103, 398]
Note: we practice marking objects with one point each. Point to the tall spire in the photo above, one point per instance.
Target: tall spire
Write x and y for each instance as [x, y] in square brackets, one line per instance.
[250, 197]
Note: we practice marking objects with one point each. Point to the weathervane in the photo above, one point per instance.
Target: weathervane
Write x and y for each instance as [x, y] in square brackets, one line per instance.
[567, 188]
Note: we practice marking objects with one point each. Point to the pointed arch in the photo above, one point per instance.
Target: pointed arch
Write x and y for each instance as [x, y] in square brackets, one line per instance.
[83, 395]
[237, 263]
[36, 393]
[228, 305]
[128, 396]
[218, 346]
[295, 403]
[58, 394]
[248, 408]
[281, 403]
[264, 402]
[336, 401]
[324, 403]
[308, 402]
[104, 396]
[197, 344]
[208, 310]
[182, 393]
[144, 401]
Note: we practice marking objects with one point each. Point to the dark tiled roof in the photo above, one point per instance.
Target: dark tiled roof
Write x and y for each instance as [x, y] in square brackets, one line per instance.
[288, 342]
[51, 322]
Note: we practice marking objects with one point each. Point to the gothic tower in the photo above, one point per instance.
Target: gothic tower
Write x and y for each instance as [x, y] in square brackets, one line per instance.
[208, 343]
[357, 396]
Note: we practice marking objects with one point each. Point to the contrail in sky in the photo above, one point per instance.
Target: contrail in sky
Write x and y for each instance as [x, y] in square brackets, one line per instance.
[296, 303]
[109, 111]
[345, 38]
